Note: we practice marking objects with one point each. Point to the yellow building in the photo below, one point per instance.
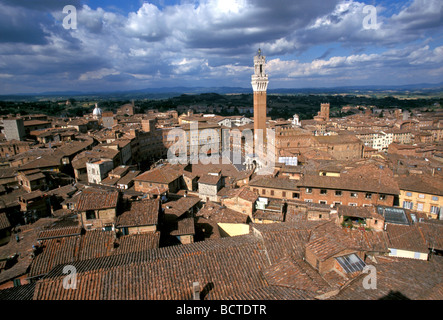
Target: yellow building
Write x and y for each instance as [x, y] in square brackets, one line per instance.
[421, 193]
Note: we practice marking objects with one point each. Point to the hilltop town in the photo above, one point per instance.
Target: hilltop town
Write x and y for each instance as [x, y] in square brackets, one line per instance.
[98, 194]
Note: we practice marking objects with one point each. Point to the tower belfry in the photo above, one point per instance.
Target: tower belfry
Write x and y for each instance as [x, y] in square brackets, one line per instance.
[259, 81]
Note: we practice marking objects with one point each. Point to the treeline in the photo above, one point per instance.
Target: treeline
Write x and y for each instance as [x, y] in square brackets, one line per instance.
[281, 106]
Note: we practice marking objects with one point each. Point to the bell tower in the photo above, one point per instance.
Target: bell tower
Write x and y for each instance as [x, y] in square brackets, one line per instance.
[259, 81]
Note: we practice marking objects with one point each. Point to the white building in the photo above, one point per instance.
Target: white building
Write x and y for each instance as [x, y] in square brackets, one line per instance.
[97, 170]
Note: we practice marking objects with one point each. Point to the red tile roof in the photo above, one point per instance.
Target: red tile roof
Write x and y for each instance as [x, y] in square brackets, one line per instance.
[59, 232]
[406, 238]
[137, 242]
[4, 221]
[163, 175]
[91, 199]
[140, 213]
[221, 214]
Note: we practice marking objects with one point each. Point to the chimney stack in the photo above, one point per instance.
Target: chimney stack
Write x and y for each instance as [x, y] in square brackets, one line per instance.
[196, 291]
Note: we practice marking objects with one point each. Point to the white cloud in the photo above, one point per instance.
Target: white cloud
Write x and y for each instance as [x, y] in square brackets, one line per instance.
[98, 74]
[214, 40]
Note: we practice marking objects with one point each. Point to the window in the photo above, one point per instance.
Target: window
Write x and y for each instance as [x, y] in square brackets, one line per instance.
[420, 206]
[421, 196]
[409, 194]
[263, 191]
[283, 194]
[272, 192]
[308, 190]
[434, 198]
[408, 204]
[323, 202]
[308, 200]
[323, 191]
[354, 195]
[352, 204]
[338, 193]
[337, 203]
[90, 214]
[382, 197]
[435, 210]
[368, 196]
[295, 195]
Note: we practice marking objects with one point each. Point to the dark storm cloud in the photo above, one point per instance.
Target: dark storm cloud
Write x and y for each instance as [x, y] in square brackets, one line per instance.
[42, 5]
[211, 41]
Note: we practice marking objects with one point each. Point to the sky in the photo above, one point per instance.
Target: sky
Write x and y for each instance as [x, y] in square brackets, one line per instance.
[109, 45]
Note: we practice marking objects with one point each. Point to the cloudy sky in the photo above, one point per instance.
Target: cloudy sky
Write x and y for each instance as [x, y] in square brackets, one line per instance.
[107, 45]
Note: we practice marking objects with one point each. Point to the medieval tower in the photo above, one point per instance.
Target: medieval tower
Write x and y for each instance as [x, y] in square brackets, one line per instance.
[259, 81]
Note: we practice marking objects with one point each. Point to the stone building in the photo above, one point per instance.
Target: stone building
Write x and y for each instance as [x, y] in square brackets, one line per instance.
[98, 208]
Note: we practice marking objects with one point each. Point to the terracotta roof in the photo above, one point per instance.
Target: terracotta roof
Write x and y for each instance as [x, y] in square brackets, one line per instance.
[8, 173]
[140, 213]
[31, 195]
[59, 232]
[284, 239]
[338, 139]
[97, 199]
[55, 252]
[433, 233]
[127, 178]
[243, 193]
[95, 244]
[271, 292]
[406, 238]
[22, 292]
[406, 279]
[180, 206]
[45, 161]
[360, 212]
[296, 274]
[164, 175]
[182, 227]
[137, 242]
[269, 215]
[4, 221]
[221, 214]
[165, 273]
[421, 183]
[369, 241]
[209, 179]
[275, 183]
[365, 179]
[329, 239]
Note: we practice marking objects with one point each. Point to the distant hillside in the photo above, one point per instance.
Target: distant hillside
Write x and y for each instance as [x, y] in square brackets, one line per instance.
[168, 92]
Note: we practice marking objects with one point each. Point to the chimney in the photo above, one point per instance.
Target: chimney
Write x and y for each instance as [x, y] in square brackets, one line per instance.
[196, 291]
